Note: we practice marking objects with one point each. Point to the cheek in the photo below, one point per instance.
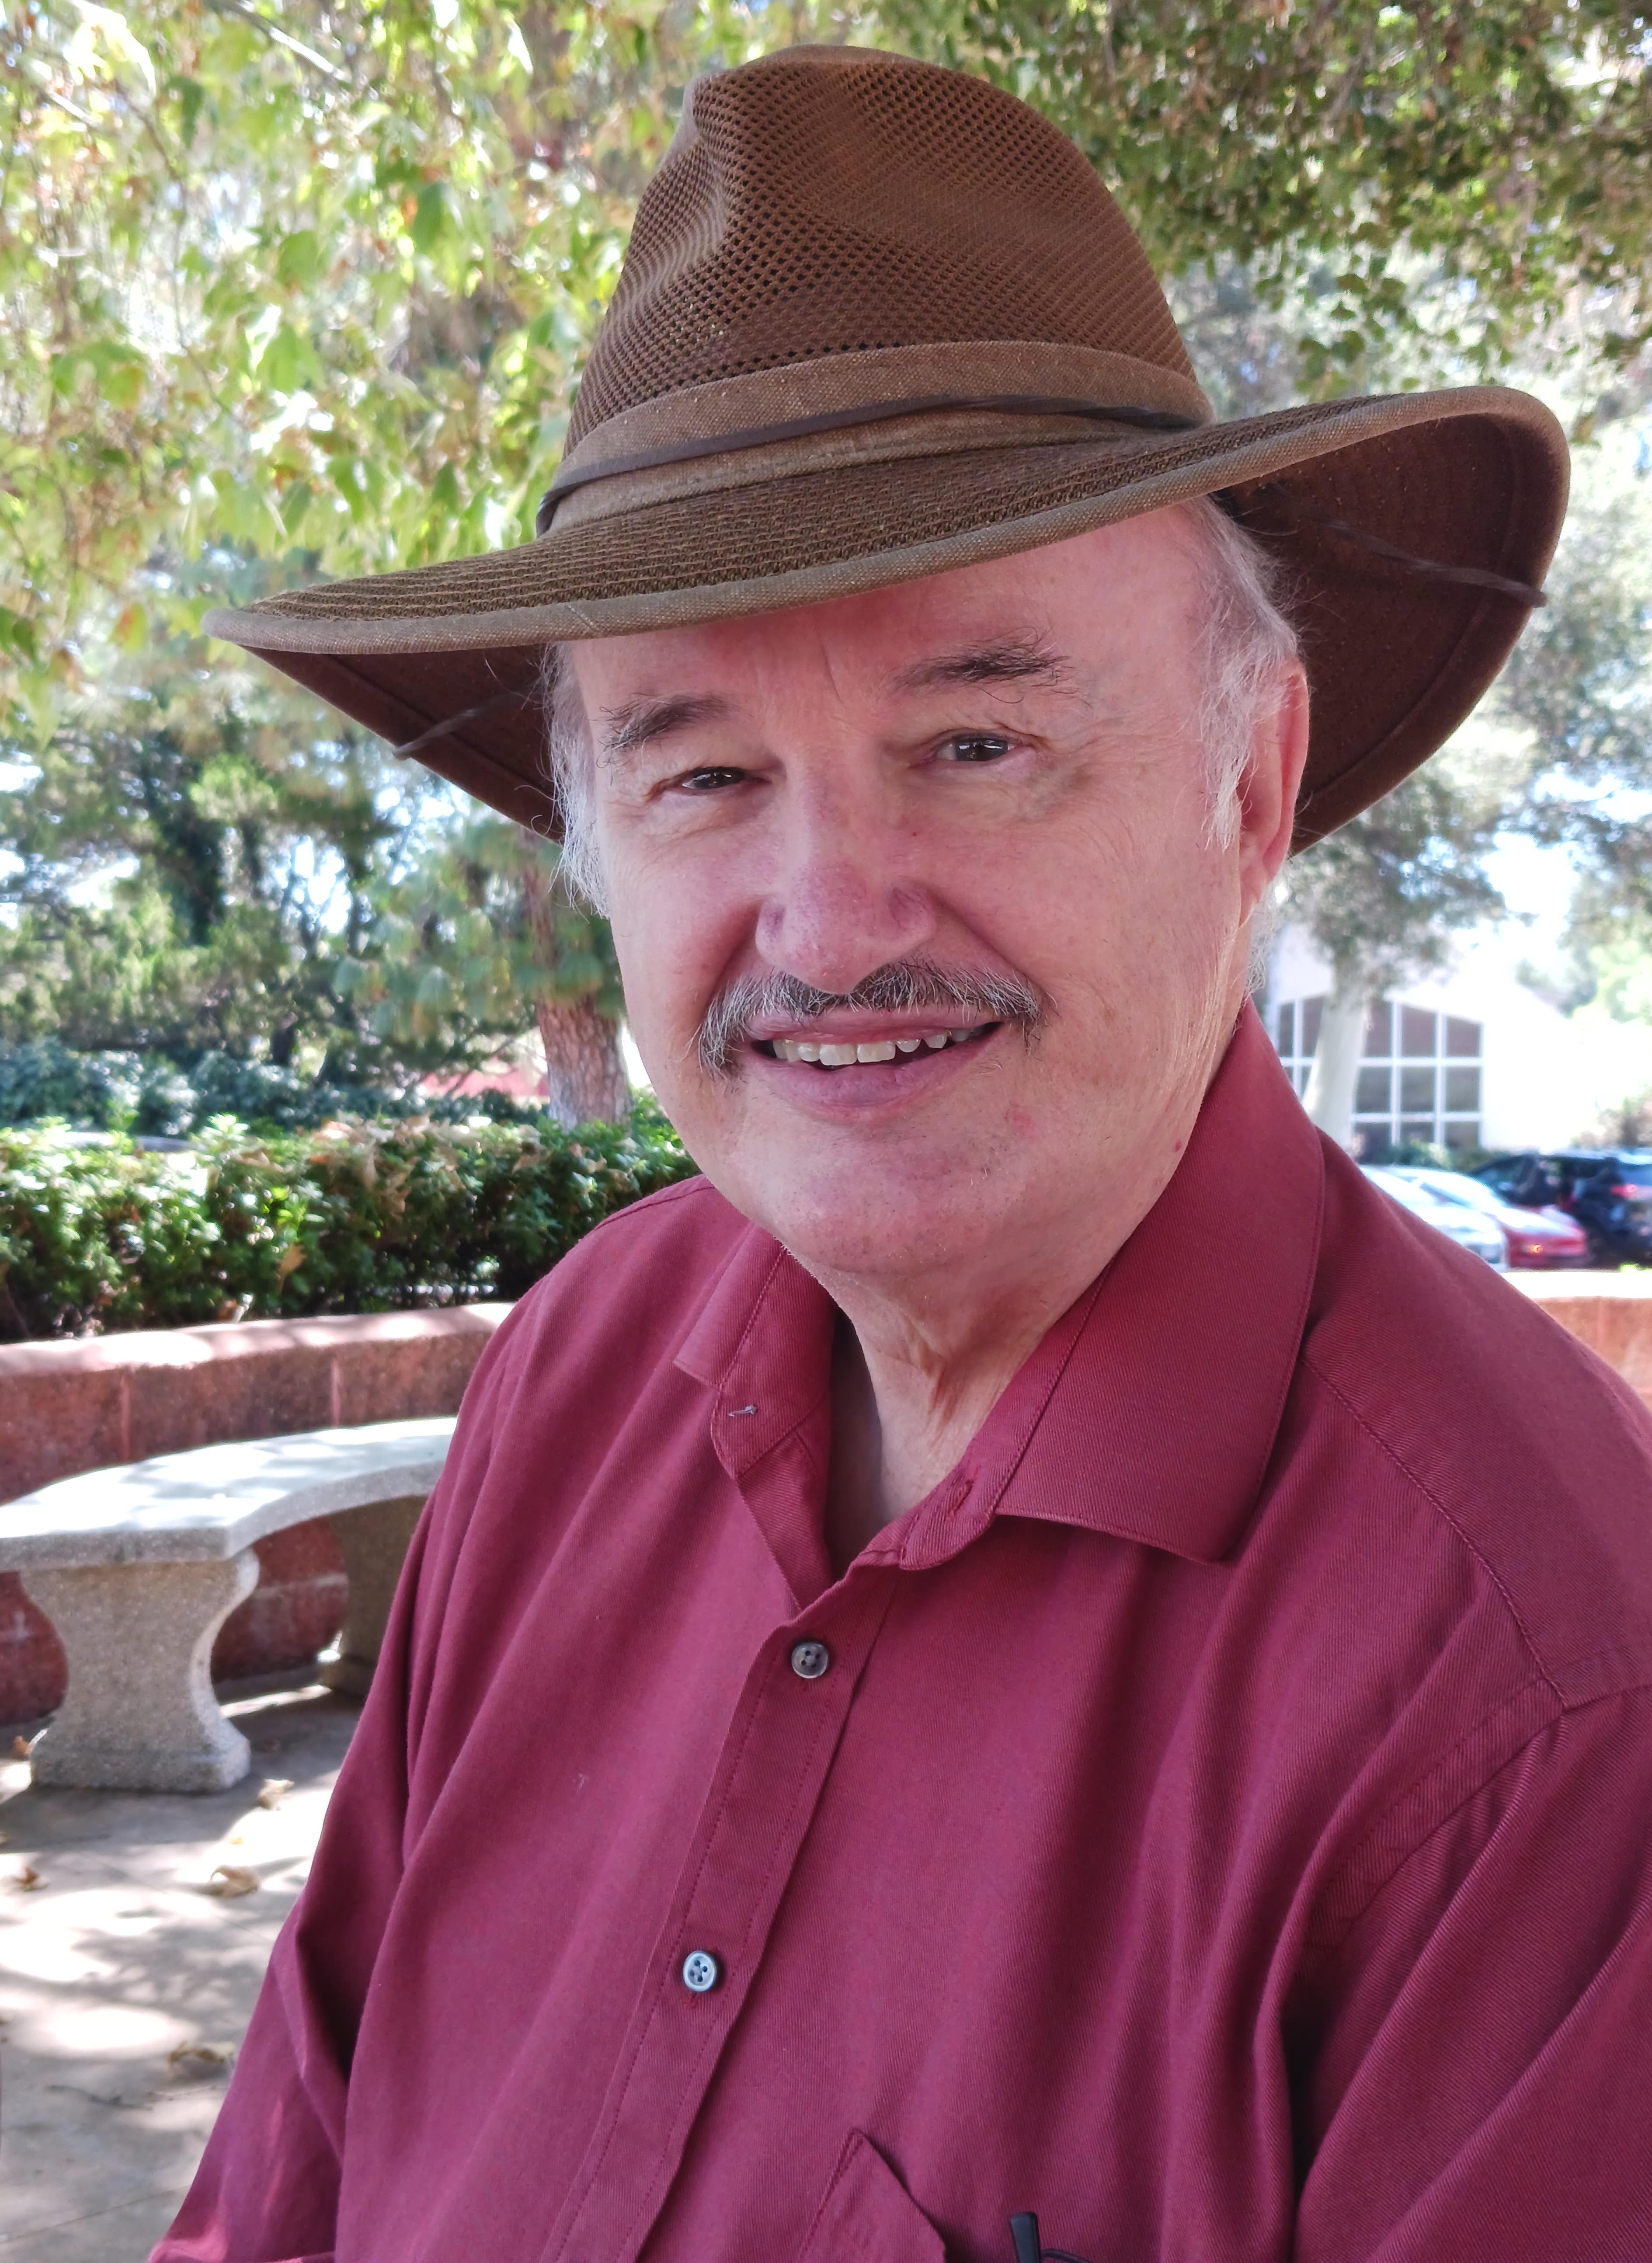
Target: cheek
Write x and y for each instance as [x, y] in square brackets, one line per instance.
[675, 943]
[1132, 947]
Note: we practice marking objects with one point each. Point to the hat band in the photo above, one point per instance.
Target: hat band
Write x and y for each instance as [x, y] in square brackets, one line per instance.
[838, 420]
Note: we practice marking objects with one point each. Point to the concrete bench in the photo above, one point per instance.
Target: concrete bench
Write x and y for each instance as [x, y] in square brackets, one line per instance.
[138, 1566]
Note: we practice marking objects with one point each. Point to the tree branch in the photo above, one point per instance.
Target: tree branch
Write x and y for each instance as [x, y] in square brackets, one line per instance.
[282, 38]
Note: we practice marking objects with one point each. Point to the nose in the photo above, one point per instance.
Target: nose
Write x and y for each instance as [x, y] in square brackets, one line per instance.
[846, 899]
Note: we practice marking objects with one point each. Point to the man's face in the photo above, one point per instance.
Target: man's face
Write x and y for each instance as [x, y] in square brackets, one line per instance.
[996, 773]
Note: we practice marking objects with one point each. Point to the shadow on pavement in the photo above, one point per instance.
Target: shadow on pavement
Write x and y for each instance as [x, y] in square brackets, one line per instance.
[126, 1983]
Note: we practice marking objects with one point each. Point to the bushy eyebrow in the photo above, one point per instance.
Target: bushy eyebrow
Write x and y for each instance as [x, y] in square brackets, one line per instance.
[1009, 660]
[641, 722]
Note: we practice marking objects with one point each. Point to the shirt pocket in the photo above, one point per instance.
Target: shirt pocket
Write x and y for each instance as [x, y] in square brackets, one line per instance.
[867, 2215]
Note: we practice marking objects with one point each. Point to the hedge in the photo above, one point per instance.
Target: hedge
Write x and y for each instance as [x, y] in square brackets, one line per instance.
[149, 1095]
[356, 1216]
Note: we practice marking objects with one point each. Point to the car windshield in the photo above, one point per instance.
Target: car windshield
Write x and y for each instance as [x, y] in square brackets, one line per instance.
[1636, 1174]
[1410, 1193]
[1452, 1186]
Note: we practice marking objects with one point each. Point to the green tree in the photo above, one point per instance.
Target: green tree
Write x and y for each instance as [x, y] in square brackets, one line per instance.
[309, 283]
[475, 938]
[186, 862]
[1580, 682]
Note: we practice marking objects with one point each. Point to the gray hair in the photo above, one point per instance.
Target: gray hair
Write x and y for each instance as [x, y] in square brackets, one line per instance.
[1247, 638]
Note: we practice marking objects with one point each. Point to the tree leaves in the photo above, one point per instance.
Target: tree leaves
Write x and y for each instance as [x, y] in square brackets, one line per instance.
[332, 275]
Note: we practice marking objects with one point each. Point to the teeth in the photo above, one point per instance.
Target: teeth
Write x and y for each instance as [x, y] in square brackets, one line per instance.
[882, 1049]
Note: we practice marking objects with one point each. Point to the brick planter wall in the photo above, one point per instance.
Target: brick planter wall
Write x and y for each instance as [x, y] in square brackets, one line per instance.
[1612, 1312]
[65, 1407]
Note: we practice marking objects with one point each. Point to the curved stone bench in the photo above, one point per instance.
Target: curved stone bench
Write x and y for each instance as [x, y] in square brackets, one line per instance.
[91, 1402]
[138, 1567]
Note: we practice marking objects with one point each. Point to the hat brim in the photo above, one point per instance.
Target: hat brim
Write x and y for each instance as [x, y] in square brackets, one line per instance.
[1395, 657]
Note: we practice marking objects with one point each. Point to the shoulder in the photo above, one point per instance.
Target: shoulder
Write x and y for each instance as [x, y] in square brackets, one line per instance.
[590, 1347]
[1533, 1455]
[635, 1282]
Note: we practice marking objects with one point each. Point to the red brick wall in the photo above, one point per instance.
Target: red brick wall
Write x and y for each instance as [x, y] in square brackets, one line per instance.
[1612, 1312]
[65, 1407]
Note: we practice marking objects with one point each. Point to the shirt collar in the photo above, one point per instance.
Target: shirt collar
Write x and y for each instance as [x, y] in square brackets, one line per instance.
[1149, 1410]
[1159, 1394]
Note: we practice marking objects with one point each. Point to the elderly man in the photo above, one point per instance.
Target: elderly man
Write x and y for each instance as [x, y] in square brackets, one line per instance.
[1027, 1659]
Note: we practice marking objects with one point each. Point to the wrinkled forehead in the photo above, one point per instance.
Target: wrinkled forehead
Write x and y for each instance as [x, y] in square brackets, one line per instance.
[1067, 620]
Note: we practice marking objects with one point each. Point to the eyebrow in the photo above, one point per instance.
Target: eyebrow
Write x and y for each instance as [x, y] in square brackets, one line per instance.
[641, 722]
[1010, 660]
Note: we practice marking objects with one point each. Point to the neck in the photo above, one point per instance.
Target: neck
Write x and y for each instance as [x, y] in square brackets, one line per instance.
[919, 1363]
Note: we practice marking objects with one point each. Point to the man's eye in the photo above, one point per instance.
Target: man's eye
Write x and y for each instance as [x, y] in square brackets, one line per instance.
[973, 747]
[707, 781]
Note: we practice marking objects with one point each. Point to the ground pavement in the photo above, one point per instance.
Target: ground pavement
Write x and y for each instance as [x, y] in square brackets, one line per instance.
[125, 1982]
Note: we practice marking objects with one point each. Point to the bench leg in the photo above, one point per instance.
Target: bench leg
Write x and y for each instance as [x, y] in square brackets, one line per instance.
[140, 1714]
[373, 1542]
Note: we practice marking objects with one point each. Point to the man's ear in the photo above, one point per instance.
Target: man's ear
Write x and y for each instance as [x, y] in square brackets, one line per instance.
[1267, 798]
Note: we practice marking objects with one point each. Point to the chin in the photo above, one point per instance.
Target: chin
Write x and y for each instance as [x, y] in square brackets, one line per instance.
[835, 1229]
[876, 1206]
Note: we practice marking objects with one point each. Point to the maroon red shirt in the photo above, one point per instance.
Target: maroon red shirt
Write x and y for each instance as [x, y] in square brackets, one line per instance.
[1223, 1825]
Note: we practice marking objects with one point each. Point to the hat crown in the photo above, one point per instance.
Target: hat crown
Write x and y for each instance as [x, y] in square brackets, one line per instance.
[832, 201]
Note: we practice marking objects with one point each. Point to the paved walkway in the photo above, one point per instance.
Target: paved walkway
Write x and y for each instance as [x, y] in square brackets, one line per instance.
[126, 1985]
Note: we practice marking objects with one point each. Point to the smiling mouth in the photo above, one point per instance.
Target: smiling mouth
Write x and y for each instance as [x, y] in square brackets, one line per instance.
[829, 1055]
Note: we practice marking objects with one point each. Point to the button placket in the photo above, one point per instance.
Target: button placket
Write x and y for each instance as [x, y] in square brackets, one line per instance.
[775, 1761]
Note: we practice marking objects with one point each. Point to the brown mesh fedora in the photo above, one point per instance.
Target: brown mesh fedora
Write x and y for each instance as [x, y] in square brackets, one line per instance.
[877, 321]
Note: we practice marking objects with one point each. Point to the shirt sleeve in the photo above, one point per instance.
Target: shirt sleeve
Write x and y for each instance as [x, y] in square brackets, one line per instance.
[268, 2186]
[1480, 2080]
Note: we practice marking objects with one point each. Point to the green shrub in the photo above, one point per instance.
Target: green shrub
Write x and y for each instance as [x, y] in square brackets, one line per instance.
[45, 1078]
[150, 1094]
[354, 1217]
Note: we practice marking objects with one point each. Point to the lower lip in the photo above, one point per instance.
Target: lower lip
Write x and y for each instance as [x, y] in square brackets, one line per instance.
[860, 1088]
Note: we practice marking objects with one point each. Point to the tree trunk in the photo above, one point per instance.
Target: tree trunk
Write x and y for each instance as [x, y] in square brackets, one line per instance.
[1329, 1098]
[585, 1078]
[584, 1074]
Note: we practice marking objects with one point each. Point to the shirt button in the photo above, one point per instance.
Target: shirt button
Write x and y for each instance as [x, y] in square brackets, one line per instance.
[700, 1971]
[810, 1660]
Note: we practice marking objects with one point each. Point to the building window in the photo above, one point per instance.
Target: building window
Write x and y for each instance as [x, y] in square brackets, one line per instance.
[1419, 1073]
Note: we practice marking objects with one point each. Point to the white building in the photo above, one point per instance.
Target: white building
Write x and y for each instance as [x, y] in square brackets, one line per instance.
[1467, 1057]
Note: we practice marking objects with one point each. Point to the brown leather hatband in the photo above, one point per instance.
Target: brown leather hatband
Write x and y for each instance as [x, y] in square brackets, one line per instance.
[838, 420]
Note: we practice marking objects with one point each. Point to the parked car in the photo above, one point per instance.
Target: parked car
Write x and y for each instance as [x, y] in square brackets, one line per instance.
[1608, 1190]
[1531, 1237]
[1470, 1229]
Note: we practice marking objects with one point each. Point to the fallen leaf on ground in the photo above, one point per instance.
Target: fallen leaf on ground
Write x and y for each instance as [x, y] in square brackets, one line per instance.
[229, 1879]
[21, 1747]
[25, 1879]
[204, 2054]
[273, 1788]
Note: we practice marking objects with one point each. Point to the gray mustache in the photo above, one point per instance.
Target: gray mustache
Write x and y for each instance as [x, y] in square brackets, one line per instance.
[905, 985]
